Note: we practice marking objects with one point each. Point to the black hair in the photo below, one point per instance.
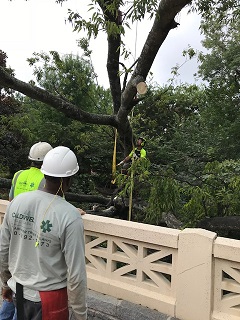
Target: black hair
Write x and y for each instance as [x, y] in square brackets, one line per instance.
[36, 164]
[55, 180]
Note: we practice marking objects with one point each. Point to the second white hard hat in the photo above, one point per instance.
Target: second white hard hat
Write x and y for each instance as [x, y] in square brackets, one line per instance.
[38, 151]
[60, 162]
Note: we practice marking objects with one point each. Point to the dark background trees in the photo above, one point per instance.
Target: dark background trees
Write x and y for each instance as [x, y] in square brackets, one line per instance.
[12, 138]
[192, 132]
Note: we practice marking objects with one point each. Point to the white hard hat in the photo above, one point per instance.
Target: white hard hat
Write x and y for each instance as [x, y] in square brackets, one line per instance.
[38, 151]
[60, 162]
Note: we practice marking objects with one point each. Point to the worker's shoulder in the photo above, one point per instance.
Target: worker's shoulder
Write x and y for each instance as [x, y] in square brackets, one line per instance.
[16, 175]
[21, 171]
[66, 213]
[18, 172]
[26, 197]
[63, 205]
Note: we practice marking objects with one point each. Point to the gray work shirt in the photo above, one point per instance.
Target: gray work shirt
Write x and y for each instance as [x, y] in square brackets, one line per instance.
[59, 259]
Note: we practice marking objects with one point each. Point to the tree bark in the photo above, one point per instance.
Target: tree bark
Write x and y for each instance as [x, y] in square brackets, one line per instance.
[70, 110]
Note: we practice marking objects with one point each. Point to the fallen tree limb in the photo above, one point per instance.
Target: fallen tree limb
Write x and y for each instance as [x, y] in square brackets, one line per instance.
[5, 183]
[109, 212]
[81, 198]
[171, 221]
[218, 224]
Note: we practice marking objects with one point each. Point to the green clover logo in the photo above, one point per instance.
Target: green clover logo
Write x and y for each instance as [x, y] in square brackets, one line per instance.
[46, 226]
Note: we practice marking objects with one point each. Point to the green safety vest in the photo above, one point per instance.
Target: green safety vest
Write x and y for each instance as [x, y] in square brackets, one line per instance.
[138, 153]
[27, 180]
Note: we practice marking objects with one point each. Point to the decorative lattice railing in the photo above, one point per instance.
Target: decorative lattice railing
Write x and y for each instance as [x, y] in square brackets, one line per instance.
[132, 267]
[226, 279]
[190, 274]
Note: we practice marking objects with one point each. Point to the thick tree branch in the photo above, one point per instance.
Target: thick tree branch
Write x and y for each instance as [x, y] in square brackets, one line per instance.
[113, 70]
[163, 23]
[70, 110]
[114, 43]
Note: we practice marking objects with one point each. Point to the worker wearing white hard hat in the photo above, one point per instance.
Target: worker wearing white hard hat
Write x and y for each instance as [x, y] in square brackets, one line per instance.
[32, 178]
[51, 258]
[24, 181]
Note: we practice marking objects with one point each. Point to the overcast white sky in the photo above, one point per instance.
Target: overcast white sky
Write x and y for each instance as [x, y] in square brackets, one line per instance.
[39, 25]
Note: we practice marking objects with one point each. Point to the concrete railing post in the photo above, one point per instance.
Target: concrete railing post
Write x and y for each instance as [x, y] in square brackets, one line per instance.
[194, 274]
[3, 207]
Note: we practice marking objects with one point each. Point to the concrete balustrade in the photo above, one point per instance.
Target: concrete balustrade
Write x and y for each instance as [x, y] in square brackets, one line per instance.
[190, 274]
[3, 206]
[132, 261]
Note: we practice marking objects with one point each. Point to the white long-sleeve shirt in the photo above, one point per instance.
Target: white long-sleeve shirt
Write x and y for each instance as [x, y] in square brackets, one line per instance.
[59, 259]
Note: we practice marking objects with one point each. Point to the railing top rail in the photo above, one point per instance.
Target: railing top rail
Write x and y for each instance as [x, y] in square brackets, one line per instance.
[3, 205]
[132, 230]
[225, 248]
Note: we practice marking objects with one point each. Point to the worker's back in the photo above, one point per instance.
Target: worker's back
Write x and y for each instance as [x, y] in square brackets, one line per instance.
[27, 180]
[32, 178]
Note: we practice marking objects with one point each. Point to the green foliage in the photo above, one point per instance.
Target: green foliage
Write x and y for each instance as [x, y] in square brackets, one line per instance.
[185, 135]
[170, 121]
[83, 43]
[69, 76]
[164, 197]
[140, 9]
[113, 21]
[219, 67]
[218, 9]
[13, 138]
[221, 63]
[72, 78]
[218, 194]
[136, 178]
[192, 132]
[97, 21]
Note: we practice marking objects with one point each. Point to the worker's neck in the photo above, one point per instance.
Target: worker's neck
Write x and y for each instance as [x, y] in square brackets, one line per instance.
[53, 189]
